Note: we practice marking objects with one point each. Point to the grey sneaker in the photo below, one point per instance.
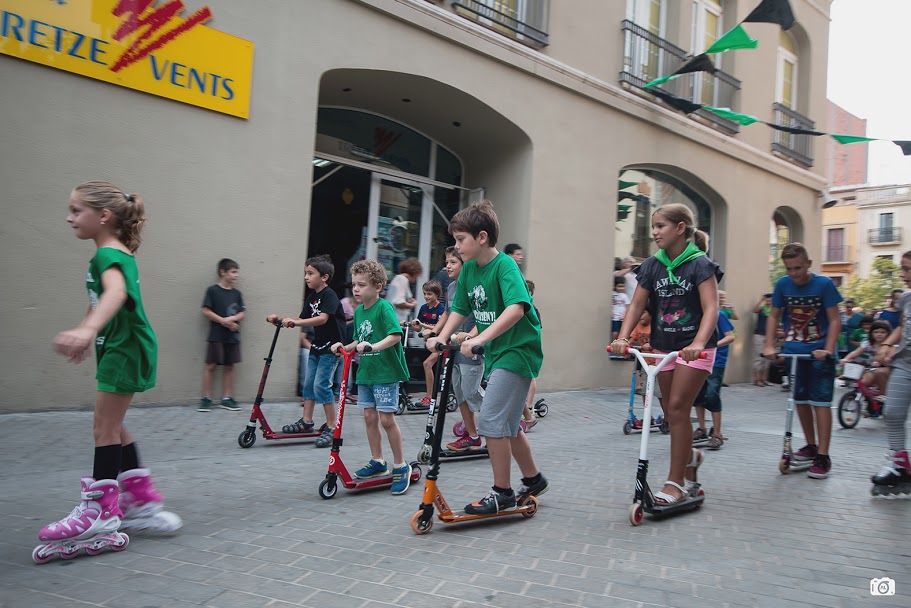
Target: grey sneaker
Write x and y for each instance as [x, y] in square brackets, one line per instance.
[325, 438]
[227, 403]
[205, 405]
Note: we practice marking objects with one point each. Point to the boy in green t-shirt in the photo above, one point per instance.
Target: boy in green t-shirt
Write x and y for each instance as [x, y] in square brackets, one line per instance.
[380, 371]
[492, 289]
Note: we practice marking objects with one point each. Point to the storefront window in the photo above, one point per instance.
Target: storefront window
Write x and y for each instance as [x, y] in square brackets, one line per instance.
[372, 139]
[640, 193]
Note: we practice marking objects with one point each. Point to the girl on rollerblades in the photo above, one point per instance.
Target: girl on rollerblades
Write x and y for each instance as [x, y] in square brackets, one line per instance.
[895, 351]
[679, 287]
[119, 492]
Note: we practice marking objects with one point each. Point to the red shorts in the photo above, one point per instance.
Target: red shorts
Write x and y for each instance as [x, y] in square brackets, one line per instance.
[703, 364]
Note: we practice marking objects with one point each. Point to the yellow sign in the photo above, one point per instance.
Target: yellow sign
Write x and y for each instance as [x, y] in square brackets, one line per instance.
[140, 44]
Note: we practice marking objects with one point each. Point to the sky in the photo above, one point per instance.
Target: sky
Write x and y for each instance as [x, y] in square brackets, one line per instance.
[868, 76]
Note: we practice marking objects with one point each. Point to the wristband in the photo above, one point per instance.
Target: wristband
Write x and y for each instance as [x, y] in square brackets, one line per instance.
[623, 339]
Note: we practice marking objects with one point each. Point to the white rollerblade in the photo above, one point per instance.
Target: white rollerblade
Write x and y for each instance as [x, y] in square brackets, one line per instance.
[143, 505]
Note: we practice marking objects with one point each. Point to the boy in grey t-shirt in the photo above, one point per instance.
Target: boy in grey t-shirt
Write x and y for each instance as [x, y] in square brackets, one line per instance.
[468, 371]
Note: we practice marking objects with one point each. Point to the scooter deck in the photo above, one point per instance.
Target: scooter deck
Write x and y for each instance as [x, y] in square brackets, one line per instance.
[459, 516]
[473, 452]
[659, 511]
[362, 483]
[276, 436]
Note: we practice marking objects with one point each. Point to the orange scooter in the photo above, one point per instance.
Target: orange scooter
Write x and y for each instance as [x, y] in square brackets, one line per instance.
[329, 486]
[248, 437]
[422, 521]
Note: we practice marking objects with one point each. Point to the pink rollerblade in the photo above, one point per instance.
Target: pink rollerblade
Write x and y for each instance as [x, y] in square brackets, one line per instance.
[142, 505]
[92, 525]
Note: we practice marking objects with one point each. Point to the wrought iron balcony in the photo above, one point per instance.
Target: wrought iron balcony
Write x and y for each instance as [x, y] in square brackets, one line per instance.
[798, 148]
[647, 57]
[884, 236]
[527, 19]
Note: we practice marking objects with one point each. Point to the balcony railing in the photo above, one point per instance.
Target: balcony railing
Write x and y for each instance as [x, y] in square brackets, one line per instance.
[882, 236]
[798, 148]
[647, 57]
[527, 19]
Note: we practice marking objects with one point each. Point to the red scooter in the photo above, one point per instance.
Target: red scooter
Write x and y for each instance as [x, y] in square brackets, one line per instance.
[329, 486]
[247, 438]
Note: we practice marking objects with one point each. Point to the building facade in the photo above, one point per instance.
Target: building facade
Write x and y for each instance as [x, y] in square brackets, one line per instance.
[847, 165]
[368, 123]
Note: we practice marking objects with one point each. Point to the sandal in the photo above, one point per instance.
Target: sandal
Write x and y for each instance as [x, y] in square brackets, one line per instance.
[669, 499]
[694, 464]
[298, 427]
[699, 434]
[715, 442]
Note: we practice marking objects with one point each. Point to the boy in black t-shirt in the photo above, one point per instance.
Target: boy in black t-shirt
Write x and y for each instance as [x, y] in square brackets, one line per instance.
[224, 307]
[323, 312]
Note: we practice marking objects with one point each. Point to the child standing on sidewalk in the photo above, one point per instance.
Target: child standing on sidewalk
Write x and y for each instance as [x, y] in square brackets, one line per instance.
[224, 307]
[126, 352]
[428, 318]
[709, 397]
[323, 312]
[380, 371]
[679, 286]
[491, 288]
[807, 304]
[895, 477]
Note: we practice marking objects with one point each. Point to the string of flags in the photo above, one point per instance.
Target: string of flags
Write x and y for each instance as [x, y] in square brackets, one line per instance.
[769, 11]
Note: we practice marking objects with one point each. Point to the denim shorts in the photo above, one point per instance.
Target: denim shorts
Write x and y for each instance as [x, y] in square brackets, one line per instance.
[383, 397]
[709, 395]
[814, 382]
[320, 373]
[503, 405]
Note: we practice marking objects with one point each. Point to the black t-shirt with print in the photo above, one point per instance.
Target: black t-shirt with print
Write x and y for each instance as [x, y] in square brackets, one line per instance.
[676, 308]
[329, 333]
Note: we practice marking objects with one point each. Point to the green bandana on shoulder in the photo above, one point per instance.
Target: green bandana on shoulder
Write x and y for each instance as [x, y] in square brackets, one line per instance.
[690, 253]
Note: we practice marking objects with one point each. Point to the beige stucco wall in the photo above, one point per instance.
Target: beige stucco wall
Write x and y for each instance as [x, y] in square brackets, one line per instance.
[218, 186]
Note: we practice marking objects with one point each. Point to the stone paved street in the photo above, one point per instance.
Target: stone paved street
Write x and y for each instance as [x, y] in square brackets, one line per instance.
[257, 534]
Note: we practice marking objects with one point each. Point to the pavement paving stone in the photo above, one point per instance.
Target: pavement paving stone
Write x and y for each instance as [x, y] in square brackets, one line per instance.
[252, 538]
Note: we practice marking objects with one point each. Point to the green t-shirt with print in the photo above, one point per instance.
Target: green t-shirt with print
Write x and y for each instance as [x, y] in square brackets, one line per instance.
[485, 292]
[372, 325]
[125, 348]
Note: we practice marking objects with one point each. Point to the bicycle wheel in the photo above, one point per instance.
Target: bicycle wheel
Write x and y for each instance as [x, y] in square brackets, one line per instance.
[849, 409]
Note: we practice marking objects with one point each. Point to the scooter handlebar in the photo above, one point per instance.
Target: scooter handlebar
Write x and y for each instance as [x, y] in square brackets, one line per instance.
[452, 348]
[629, 350]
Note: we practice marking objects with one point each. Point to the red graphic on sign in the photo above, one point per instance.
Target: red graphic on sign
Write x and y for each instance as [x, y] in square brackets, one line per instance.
[134, 20]
[383, 140]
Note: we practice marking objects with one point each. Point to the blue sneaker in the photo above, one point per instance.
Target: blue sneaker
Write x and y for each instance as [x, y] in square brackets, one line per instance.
[401, 479]
[374, 468]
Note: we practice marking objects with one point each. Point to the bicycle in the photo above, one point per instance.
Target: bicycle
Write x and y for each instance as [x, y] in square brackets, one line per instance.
[860, 399]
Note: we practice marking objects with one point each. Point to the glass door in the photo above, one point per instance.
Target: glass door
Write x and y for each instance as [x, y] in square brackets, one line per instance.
[399, 224]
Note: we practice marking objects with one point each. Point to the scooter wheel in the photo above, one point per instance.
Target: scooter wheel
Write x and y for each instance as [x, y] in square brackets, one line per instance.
[419, 525]
[451, 403]
[635, 514]
[246, 439]
[532, 503]
[627, 428]
[424, 455]
[458, 429]
[327, 489]
[700, 494]
[784, 466]
[541, 408]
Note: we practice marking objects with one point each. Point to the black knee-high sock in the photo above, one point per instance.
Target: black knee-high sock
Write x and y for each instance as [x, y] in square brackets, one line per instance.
[129, 457]
[107, 462]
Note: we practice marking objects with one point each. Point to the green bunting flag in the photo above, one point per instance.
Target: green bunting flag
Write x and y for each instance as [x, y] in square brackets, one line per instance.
[737, 38]
[624, 185]
[661, 80]
[851, 139]
[744, 119]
